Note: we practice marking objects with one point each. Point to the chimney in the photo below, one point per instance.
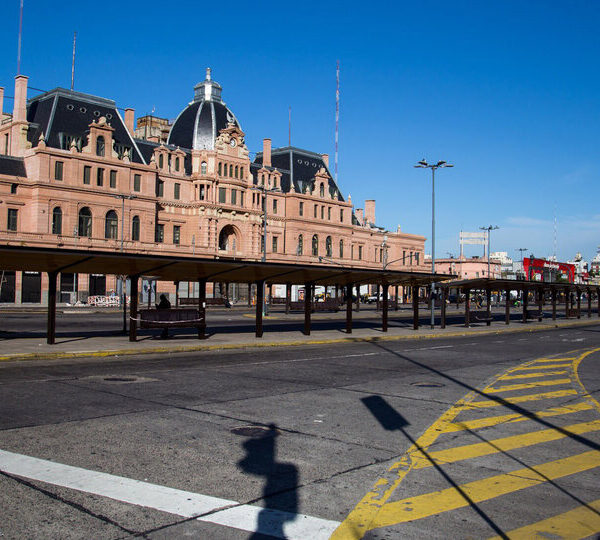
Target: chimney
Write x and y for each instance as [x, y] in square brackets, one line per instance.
[326, 159]
[359, 215]
[129, 120]
[20, 110]
[370, 211]
[266, 152]
[1, 102]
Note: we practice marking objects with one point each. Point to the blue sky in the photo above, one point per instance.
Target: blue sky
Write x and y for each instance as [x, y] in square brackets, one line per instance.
[509, 92]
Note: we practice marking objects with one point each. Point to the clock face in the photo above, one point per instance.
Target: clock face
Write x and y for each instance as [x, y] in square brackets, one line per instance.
[232, 142]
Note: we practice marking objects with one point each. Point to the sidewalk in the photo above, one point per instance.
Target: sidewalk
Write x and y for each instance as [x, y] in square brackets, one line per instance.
[32, 348]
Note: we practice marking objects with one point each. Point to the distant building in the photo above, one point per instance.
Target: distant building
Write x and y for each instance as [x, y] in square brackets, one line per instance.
[468, 268]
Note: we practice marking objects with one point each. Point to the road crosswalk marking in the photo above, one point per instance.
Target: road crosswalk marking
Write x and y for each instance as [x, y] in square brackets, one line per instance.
[381, 509]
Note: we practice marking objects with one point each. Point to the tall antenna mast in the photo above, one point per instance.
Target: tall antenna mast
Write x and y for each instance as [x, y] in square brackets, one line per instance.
[73, 63]
[20, 35]
[555, 230]
[337, 115]
[290, 125]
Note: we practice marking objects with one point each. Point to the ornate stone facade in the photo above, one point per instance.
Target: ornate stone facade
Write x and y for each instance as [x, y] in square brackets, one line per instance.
[75, 174]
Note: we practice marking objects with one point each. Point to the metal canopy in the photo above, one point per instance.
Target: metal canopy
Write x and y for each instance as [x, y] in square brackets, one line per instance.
[184, 268]
[512, 284]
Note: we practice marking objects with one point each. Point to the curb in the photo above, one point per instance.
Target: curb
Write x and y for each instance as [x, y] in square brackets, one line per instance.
[295, 343]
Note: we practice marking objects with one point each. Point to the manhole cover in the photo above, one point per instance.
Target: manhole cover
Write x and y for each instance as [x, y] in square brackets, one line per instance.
[120, 379]
[428, 384]
[252, 431]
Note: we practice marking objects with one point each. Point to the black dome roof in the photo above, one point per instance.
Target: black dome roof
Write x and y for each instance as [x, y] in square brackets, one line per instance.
[198, 125]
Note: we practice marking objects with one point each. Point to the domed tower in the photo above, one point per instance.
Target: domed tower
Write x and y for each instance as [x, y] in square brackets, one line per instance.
[198, 125]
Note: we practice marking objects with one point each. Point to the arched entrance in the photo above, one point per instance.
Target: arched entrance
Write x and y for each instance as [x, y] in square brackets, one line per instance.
[229, 239]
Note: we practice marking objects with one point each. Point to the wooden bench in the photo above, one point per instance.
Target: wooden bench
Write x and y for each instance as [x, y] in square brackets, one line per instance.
[571, 313]
[331, 304]
[209, 301]
[534, 313]
[173, 318]
[480, 316]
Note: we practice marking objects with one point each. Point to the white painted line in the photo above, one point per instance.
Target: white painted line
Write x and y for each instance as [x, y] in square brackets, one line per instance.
[165, 499]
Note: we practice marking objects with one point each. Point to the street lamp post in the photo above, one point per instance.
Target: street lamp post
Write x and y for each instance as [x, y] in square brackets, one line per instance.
[522, 268]
[123, 288]
[433, 166]
[264, 190]
[489, 230]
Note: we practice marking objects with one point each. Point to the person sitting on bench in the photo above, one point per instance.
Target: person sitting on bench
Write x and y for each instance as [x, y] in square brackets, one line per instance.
[164, 304]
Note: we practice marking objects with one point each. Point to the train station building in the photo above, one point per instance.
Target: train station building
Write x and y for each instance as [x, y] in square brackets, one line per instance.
[79, 173]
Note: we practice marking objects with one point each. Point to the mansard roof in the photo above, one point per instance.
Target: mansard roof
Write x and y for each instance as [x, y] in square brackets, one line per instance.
[298, 167]
[59, 113]
[12, 166]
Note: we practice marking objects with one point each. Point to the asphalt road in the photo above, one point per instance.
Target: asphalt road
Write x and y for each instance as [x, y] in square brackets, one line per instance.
[290, 442]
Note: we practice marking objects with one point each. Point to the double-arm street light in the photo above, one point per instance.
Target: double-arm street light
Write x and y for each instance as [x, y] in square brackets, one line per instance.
[489, 230]
[264, 190]
[433, 166]
[522, 250]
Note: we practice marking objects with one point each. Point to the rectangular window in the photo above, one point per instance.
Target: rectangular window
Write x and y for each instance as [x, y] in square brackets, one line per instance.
[274, 244]
[315, 211]
[410, 258]
[176, 234]
[137, 182]
[201, 195]
[222, 195]
[241, 198]
[6, 144]
[112, 182]
[160, 188]
[87, 174]
[341, 215]
[360, 253]
[301, 208]
[417, 258]
[404, 257]
[322, 212]
[176, 191]
[329, 213]
[234, 196]
[274, 206]
[11, 224]
[58, 170]
[159, 235]
[100, 177]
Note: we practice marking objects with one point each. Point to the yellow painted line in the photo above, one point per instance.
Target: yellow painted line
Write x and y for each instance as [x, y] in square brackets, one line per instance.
[546, 366]
[580, 522]
[546, 360]
[526, 386]
[429, 504]
[511, 418]
[470, 451]
[576, 364]
[531, 375]
[520, 399]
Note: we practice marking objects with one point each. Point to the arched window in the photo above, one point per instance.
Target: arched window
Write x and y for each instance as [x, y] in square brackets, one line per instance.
[161, 161]
[57, 221]
[300, 248]
[135, 228]
[241, 173]
[328, 249]
[100, 146]
[315, 245]
[322, 190]
[203, 167]
[236, 171]
[177, 164]
[230, 171]
[220, 169]
[111, 225]
[341, 249]
[85, 222]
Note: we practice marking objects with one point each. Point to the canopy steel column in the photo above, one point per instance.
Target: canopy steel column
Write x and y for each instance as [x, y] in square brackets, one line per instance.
[288, 297]
[540, 303]
[357, 298]
[525, 299]
[415, 303]
[598, 299]
[589, 299]
[176, 294]
[133, 307]
[553, 304]
[260, 291]
[396, 298]
[202, 307]
[124, 299]
[384, 308]
[249, 294]
[578, 304]
[443, 307]
[488, 309]
[308, 292]
[349, 309]
[507, 308]
[51, 327]
[377, 303]
[467, 307]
